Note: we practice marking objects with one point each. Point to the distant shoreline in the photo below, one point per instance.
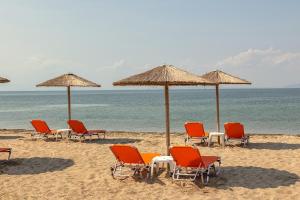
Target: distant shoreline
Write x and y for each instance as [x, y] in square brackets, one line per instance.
[157, 132]
[142, 88]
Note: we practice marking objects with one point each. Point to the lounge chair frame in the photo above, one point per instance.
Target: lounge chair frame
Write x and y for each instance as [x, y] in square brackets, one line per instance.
[194, 172]
[39, 135]
[244, 140]
[118, 170]
[195, 140]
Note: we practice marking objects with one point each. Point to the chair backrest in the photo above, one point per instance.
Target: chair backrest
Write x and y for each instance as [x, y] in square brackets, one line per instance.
[194, 129]
[234, 130]
[127, 154]
[77, 126]
[40, 126]
[186, 156]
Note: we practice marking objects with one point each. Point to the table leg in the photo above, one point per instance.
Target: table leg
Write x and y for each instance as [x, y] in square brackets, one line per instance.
[219, 140]
[223, 140]
[152, 168]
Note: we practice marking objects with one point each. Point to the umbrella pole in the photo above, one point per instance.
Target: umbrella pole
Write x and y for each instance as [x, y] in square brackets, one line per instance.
[218, 107]
[69, 102]
[167, 118]
[218, 110]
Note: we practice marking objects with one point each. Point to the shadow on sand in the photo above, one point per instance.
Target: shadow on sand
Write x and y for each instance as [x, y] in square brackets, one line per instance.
[35, 165]
[253, 178]
[10, 137]
[273, 146]
[113, 141]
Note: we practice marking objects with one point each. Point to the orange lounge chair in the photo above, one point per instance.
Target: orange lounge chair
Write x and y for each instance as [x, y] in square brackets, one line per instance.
[129, 156]
[79, 130]
[6, 150]
[195, 131]
[42, 129]
[235, 130]
[189, 163]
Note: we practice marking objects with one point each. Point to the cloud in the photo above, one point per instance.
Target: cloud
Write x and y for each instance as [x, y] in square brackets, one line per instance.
[264, 67]
[261, 57]
[117, 64]
[43, 62]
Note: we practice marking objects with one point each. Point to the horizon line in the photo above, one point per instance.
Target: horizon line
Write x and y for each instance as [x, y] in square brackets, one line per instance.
[130, 89]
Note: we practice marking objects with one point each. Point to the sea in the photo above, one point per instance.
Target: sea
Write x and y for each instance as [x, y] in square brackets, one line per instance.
[266, 111]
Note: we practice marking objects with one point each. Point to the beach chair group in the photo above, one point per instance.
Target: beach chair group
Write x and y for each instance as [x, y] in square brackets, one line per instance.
[189, 163]
[77, 130]
[233, 131]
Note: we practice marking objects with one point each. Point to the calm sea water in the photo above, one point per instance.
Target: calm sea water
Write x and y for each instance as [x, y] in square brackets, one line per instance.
[261, 110]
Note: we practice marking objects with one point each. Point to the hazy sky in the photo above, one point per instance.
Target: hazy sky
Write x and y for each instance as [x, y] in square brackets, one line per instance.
[104, 41]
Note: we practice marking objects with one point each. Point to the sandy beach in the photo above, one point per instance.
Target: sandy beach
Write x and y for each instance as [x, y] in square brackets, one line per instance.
[267, 169]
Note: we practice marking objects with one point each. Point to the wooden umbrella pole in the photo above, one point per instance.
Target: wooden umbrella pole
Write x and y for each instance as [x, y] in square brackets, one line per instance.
[167, 118]
[218, 107]
[218, 110]
[69, 102]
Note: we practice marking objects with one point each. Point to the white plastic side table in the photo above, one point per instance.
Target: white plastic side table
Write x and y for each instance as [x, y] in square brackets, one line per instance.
[162, 159]
[217, 134]
[61, 131]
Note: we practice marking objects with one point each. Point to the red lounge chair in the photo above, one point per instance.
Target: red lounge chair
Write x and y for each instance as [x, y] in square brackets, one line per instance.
[42, 129]
[129, 156]
[195, 131]
[6, 150]
[189, 163]
[80, 131]
[235, 130]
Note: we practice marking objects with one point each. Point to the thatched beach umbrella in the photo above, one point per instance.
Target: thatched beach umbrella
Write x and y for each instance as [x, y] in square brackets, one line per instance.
[4, 80]
[68, 80]
[165, 75]
[218, 77]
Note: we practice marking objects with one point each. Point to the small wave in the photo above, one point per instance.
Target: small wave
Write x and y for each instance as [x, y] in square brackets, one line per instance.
[47, 107]
[76, 105]
[16, 110]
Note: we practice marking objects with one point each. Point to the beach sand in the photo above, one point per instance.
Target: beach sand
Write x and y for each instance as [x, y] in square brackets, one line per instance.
[267, 169]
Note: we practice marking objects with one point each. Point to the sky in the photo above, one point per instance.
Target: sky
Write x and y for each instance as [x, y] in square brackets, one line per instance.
[105, 41]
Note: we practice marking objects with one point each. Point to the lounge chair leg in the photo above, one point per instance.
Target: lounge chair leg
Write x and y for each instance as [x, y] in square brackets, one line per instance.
[217, 172]
[9, 154]
[202, 178]
[207, 177]
[32, 135]
[114, 170]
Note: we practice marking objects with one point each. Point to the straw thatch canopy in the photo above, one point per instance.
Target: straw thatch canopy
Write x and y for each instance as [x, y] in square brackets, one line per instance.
[164, 75]
[219, 77]
[68, 80]
[4, 80]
